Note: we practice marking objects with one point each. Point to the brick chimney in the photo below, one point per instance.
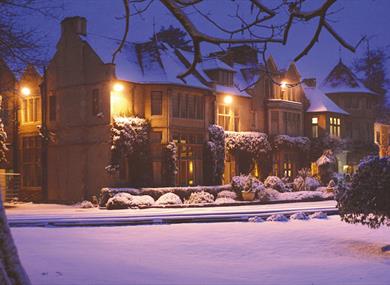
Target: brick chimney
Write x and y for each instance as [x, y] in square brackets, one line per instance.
[75, 25]
[310, 82]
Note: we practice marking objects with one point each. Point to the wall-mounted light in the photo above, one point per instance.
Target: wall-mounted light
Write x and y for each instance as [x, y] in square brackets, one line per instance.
[228, 99]
[25, 91]
[283, 85]
[118, 87]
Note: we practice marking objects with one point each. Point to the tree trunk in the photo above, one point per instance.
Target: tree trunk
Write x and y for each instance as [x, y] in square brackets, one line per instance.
[11, 269]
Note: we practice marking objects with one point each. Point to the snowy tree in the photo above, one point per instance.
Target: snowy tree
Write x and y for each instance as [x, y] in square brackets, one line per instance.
[215, 155]
[327, 166]
[367, 200]
[170, 166]
[372, 66]
[130, 144]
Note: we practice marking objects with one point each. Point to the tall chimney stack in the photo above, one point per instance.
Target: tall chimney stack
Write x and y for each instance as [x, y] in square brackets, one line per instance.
[74, 25]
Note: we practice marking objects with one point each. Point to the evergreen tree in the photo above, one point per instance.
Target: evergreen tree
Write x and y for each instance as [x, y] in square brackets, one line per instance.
[371, 66]
[173, 36]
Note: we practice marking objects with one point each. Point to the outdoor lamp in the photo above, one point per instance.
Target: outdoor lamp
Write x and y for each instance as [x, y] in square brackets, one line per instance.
[25, 91]
[228, 99]
[118, 87]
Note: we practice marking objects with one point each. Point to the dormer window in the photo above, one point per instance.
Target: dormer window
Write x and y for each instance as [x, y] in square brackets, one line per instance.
[225, 78]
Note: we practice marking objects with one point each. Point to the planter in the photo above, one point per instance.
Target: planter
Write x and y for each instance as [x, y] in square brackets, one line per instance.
[248, 195]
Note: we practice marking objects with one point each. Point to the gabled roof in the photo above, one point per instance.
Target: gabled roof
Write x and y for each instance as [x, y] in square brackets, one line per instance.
[342, 80]
[246, 75]
[319, 102]
[145, 62]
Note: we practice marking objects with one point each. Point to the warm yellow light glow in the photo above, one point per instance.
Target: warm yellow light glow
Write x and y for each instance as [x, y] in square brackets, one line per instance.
[283, 85]
[25, 91]
[314, 120]
[191, 167]
[228, 99]
[118, 87]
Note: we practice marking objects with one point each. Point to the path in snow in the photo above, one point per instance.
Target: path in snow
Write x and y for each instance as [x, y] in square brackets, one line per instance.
[294, 252]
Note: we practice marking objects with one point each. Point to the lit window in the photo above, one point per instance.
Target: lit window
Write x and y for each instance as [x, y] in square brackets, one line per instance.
[334, 126]
[31, 109]
[314, 127]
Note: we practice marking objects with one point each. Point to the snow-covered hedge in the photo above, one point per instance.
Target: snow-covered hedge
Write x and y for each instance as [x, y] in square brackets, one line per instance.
[215, 155]
[276, 183]
[254, 144]
[184, 192]
[285, 141]
[126, 200]
[200, 198]
[367, 200]
[107, 193]
[170, 163]
[169, 199]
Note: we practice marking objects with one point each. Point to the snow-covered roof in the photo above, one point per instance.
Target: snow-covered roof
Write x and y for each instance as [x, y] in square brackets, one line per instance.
[215, 63]
[145, 62]
[231, 90]
[319, 102]
[342, 80]
[246, 75]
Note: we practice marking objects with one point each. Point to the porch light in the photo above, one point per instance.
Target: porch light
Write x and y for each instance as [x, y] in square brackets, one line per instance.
[228, 99]
[25, 91]
[283, 85]
[118, 87]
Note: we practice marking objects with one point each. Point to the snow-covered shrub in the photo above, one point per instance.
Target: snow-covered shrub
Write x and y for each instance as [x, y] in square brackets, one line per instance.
[200, 198]
[227, 194]
[252, 143]
[277, 218]
[107, 193]
[247, 147]
[3, 139]
[119, 201]
[276, 183]
[169, 199]
[247, 183]
[305, 182]
[367, 200]
[318, 215]
[256, 219]
[299, 216]
[130, 140]
[215, 155]
[86, 204]
[284, 141]
[142, 201]
[170, 163]
[327, 166]
[224, 200]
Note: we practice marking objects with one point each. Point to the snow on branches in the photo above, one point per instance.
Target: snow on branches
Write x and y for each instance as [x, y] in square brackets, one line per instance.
[253, 143]
[299, 143]
[367, 200]
[130, 138]
[170, 163]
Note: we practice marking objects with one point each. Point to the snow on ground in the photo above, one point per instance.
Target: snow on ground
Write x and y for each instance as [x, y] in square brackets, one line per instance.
[295, 252]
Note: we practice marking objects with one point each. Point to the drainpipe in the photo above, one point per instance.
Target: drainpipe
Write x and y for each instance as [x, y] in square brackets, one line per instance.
[45, 136]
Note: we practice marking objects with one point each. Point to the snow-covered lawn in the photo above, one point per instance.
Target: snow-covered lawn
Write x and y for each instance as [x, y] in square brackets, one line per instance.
[294, 252]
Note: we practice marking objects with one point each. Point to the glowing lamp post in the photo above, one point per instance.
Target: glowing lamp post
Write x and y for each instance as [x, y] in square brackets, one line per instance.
[283, 85]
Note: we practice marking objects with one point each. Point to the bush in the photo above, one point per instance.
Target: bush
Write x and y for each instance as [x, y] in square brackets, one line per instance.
[169, 199]
[305, 183]
[327, 166]
[143, 201]
[276, 183]
[200, 198]
[227, 194]
[367, 200]
[119, 201]
[277, 218]
[246, 183]
[224, 200]
[214, 161]
[318, 215]
[299, 216]
[86, 204]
